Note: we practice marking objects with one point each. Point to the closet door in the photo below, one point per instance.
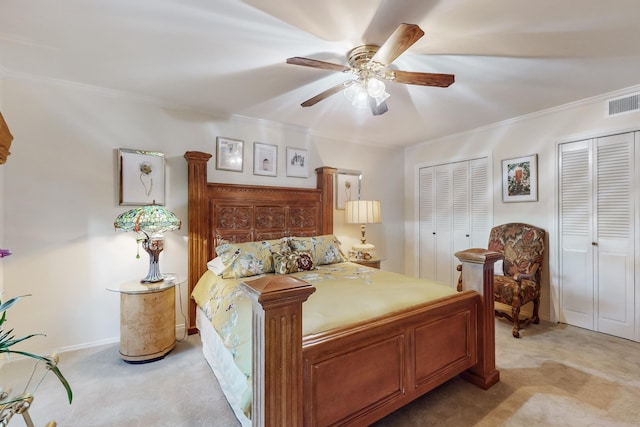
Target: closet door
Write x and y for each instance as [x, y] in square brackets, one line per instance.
[576, 250]
[597, 234]
[480, 203]
[614, 243]
[461, 211]
[454, 214]
[443, 222]
[427, 236]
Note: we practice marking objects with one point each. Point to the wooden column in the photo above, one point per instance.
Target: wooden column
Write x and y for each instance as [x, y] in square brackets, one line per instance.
[325, 184]
[198, 239]
[277, 349]
[477, 274]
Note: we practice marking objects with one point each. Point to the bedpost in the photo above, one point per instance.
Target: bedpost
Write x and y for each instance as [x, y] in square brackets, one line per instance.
[277, 349]
[477, 274]
[198, 250]
[325, 184]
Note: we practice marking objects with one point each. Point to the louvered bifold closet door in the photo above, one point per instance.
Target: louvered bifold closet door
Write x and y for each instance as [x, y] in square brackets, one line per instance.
[614, 245]
[454, 215]
[444, 219]
[461, 212]
[597, 234]
[576, 251]
[480, 203]
[426, 220]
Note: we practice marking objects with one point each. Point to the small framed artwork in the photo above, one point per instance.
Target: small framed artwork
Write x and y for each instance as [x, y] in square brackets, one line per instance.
[297, 162]
[229, 154]
[348, 186]
[265, 159]
[142, 177]
[520, 179]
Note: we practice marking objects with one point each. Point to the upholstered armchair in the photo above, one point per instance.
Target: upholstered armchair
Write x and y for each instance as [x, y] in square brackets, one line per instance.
[519, 281]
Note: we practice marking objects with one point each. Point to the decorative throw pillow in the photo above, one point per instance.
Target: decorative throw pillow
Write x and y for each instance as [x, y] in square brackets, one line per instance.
[292, 262]
[324, 249]
[249, 258]
[216, 266]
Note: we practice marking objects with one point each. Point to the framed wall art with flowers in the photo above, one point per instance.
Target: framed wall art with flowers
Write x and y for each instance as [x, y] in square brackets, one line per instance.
[141, 177]
[520, 179]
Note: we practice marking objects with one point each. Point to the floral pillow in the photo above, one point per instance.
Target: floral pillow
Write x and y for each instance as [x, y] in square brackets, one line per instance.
[250, 258]
[324, 249]
[292, 262]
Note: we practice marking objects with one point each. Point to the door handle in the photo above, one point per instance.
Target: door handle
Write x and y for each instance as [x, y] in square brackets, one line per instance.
[594, 243]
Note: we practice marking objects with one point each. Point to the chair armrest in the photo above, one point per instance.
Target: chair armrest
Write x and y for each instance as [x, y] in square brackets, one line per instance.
[531, 275]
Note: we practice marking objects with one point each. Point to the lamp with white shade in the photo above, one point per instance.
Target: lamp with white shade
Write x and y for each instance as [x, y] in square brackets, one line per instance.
[363, 212]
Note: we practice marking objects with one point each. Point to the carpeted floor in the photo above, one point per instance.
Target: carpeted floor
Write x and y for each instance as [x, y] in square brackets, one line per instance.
[556, 375]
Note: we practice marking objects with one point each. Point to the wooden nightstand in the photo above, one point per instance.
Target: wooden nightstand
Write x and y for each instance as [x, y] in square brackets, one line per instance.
[147, 320]
[374, 262]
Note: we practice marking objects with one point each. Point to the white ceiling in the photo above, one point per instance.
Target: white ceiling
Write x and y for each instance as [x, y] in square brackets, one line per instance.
[510, 57]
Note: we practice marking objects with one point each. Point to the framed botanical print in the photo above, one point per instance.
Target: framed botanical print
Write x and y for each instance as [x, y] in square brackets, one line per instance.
[520, 179]
[229, 154]
[141, 177]
[348, 187]
[265, 159]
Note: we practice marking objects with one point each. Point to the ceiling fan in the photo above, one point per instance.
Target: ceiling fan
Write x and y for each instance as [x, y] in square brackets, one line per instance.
[369, 64]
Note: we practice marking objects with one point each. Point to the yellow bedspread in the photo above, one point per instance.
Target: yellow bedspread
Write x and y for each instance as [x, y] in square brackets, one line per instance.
[346, 293]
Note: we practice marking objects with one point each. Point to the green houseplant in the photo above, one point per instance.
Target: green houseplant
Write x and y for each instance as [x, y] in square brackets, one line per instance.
[7, 341]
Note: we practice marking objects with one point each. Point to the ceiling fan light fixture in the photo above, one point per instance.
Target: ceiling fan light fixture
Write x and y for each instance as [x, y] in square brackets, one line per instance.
[357, 95]
[375, 87]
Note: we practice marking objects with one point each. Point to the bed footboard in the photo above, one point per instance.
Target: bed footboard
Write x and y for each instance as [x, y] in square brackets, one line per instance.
[356, 375]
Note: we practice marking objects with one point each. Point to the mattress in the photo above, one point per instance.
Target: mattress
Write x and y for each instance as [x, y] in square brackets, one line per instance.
[346, 293]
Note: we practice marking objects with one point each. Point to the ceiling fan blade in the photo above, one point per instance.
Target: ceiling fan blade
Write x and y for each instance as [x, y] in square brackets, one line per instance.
[377, 109]
[327, 93]
[297, 60]
[424, 79]
[399, 41]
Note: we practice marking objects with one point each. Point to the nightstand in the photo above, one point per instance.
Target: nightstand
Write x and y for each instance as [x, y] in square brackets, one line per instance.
[373, 262]
[147, 320]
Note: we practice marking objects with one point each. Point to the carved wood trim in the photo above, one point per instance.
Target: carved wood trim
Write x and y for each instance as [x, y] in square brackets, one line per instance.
[241, 213]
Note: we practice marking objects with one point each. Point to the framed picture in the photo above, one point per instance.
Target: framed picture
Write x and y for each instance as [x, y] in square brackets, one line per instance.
[520, 179]
[265, 159]
[297, 162]
[142, 177]
[348, 186]
[229, 154]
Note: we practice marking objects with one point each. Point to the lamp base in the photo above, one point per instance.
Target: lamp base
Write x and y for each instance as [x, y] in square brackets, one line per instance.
[363, 251]
[153, 248]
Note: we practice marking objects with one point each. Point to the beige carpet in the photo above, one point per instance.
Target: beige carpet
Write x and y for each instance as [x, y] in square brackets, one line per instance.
[555, 375]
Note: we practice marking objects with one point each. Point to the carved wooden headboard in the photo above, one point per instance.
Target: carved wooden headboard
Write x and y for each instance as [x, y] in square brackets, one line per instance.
[242, 213]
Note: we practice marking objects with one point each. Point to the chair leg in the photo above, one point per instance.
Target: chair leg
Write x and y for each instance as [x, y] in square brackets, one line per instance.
[536, 305]
[515, 313]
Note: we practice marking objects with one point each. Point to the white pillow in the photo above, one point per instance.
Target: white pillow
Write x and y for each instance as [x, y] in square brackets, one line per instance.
[216, 266]
[497, 268]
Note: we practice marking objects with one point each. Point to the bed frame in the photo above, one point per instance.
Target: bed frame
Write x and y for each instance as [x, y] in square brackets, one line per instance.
[345, 376]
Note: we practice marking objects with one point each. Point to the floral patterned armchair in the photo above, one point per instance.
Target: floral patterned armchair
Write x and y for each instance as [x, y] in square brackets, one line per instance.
[522, 246]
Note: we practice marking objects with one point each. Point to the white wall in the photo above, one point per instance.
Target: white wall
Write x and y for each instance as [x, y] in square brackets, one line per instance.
[537, 133]
[60, 198]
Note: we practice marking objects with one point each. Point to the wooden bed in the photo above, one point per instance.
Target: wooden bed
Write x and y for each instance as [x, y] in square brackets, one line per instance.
[390, 361]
